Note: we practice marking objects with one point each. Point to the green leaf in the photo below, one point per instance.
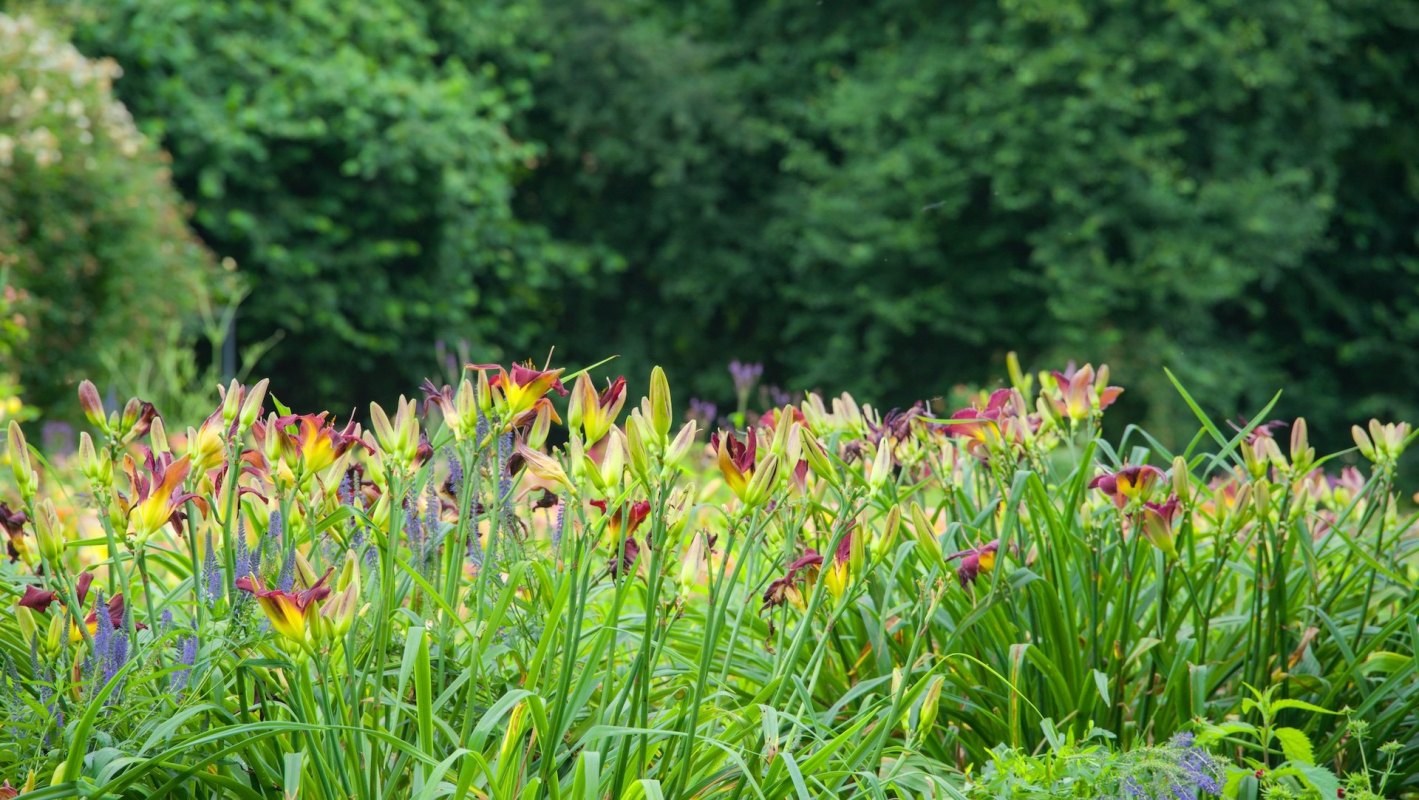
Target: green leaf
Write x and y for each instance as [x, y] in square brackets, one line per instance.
[1295, 745]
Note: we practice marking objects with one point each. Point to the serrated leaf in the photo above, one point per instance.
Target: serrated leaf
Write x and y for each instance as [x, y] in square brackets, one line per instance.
[1295, 745]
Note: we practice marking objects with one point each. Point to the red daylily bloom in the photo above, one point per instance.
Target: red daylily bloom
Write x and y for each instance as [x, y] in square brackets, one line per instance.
[14, 524]
[289, 612]
[313, 446]
[623, 523]
[1003, 421]
[736, 459]
[517, 392]
[1129, 483]
[975, 561]
[804, 569]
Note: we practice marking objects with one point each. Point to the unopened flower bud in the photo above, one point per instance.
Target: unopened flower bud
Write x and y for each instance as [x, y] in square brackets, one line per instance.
[25, 477]
[817, 457]
[159, 436]
[92, 405]
[231, 402]
[251, 406]
[24, 618]
[48, 532]
[660, 407]
[1182, 480]
[684, 440]
[761, 485]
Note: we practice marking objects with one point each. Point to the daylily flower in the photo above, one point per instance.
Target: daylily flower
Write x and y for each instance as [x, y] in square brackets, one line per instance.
[750, 481]
[290, 612]
[1081, 393]
[625, 520]
[157, 496]
[848, 552]
[14, 524]
[593, 413]
[312, 447]
[1003, 421]
[459, 409]
[39, 601]
[975, 561]
[622, 564]
[1128, 484]
[803, 570]
[1156, 519]
[517, 391]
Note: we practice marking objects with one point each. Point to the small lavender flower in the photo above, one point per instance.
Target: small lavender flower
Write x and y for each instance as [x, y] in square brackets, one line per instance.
[433, 526]
[58, 437]
[745, 375]
[286, 578]
[455, 473]
[560, 527]
[187, 656]
[212, 571]
[346, 492]
[704, 411]
[245, 562]
[413, 528]
[103, 632]
[165, 621]
[504, 479]
[481, 431]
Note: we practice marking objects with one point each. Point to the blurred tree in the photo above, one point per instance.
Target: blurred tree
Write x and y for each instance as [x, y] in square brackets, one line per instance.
[354, 159]
[879, 197]
[98, 262]
[885, 197]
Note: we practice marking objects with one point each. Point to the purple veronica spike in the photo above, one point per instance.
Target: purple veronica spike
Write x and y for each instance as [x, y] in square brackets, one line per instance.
[561, 526]
[103, 635]
[212, 571]
[187, 656]
[745, 376]
[455, 473]
[286, 578]
[504, 479]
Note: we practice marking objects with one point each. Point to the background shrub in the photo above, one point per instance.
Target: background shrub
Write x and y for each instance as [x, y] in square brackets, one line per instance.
[355, 159]
[882, 197]
[100, 262]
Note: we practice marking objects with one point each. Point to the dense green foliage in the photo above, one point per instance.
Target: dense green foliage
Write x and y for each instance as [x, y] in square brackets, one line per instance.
[827, 603]
[96, 255]
[882, 197]
[355, 159]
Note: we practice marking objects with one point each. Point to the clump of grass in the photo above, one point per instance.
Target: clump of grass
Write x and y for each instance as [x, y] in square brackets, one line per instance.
[831, 600]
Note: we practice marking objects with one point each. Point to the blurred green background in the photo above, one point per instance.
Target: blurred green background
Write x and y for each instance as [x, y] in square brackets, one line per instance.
[880, 197]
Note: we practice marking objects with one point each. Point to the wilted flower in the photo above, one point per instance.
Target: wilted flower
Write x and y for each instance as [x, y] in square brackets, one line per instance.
[621, 564]
[974, 561]
[803, 570]
[13, 523]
